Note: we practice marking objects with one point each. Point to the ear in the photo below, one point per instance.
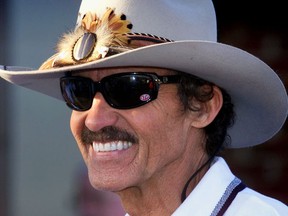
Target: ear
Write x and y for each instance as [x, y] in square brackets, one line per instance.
[208, 110]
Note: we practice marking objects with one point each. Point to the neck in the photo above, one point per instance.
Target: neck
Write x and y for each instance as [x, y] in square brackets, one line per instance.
[161, 195]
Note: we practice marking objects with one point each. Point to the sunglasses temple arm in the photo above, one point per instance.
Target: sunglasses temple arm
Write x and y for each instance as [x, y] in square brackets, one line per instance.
[170, 79]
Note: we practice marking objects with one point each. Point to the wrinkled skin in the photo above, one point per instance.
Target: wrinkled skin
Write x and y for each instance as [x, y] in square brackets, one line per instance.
[167, 146]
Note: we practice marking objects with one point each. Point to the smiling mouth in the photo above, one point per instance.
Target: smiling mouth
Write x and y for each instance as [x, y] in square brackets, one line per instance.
[108, 139]
[111, 146]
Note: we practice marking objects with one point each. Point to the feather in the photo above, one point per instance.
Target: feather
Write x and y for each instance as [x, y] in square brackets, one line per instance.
[91, 41]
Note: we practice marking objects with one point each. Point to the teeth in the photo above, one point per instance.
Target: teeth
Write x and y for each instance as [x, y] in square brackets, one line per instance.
[111, 146]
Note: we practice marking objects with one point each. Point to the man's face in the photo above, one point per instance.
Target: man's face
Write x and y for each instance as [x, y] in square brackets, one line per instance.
[152, 138]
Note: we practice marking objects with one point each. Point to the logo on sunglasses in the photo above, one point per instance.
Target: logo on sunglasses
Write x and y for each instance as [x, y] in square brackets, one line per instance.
[145, 97]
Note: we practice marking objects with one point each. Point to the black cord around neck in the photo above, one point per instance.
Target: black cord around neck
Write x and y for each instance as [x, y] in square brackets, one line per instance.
[183, 195]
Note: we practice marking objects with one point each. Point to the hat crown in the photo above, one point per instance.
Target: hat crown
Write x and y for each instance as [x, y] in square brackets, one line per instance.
[172, 19]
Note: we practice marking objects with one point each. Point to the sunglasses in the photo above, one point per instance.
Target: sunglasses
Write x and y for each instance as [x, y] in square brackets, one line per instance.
[120, 91]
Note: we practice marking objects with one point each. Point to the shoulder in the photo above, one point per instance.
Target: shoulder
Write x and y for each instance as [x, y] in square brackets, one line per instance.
[249, 202]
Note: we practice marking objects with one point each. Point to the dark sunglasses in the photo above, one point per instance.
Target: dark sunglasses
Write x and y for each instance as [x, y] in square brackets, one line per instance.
[121, 91]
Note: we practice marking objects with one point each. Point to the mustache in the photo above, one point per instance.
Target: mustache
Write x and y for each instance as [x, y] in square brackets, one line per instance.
[107, 134]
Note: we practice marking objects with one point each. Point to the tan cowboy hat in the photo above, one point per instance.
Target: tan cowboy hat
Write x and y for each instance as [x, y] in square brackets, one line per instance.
[108, 33]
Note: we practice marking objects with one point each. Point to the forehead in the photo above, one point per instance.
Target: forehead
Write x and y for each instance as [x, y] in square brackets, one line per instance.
[102, 72]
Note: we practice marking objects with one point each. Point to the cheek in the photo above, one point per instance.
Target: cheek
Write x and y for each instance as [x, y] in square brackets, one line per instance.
[162, 133]
[77, 123]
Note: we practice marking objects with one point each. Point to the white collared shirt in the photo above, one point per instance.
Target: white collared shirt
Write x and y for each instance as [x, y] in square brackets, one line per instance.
[206, 195]
[203, 200]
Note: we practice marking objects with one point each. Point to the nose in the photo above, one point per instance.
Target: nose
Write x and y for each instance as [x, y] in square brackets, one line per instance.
[100, 114]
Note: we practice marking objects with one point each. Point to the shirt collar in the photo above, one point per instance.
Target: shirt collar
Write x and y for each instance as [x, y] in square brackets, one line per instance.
[205, 196]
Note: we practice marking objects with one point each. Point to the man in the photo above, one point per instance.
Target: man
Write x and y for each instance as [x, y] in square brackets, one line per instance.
[155, 98]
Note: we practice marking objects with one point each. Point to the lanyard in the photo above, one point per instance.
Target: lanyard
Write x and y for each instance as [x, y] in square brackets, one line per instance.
[230, 193]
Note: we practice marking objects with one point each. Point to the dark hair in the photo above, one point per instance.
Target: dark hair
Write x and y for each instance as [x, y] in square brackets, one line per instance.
[192, 88]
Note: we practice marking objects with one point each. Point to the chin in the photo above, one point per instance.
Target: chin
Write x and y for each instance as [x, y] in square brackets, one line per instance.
[111, 183]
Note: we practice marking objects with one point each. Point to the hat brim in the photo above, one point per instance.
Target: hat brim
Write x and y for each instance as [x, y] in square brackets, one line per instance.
[258, 94]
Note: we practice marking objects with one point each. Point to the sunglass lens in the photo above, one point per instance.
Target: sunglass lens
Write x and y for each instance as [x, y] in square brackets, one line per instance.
[77, 93]
[129, 91]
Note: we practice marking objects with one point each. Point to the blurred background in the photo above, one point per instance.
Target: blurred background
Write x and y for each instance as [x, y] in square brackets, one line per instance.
[41, 169]
[261, 28]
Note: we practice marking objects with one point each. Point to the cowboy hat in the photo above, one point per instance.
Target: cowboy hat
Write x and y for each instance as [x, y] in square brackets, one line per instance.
[183, 36]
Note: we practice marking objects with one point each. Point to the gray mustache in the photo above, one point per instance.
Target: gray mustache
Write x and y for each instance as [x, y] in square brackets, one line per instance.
[107, 134]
